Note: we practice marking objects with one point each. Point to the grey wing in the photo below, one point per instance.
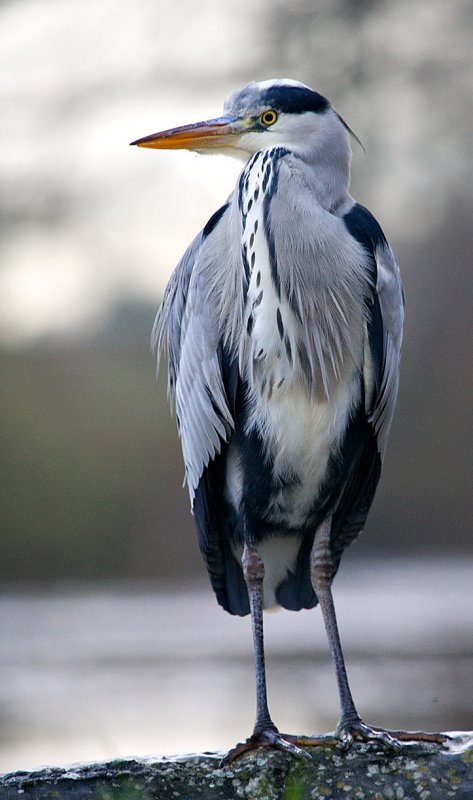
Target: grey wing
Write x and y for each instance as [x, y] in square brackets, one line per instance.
[383, 346]
[188, 327]
[367, 436]
[385, 320]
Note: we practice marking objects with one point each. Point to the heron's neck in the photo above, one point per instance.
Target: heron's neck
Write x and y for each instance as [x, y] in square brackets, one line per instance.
[328, 178]
[325, 164]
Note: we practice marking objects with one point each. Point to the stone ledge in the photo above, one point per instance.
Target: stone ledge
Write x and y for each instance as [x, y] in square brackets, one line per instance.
[418, 772]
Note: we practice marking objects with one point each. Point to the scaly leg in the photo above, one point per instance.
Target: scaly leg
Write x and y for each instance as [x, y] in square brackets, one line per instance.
[265, 733]
[351, 726]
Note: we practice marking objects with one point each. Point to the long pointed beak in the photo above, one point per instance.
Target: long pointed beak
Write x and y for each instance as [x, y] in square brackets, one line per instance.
[213, 133]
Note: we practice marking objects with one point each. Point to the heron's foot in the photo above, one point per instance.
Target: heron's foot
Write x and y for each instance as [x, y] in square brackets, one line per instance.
[356, 729]
[270, 737]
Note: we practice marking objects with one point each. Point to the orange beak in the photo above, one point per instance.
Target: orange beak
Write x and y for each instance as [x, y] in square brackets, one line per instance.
[211, 134]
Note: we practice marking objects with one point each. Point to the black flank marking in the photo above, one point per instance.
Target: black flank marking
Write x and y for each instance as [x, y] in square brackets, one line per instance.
[249, 325]
[253, 259]
[260, 353]
[280, 383]
[263, 385]
[251, 162]
[258, 299]
[250, 203]
[276, 155]
[241, 184]
[376, 340]
[256, 225]
[252, 240]
[280, 323]
[256, 194]
[287, 345]
[364, 227]
[304, 361]
[214, 219]
[258, 279]
[246, 266]
[367, 231]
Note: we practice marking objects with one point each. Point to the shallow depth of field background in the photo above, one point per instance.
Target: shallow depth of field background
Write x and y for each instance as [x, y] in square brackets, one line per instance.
[110, 641]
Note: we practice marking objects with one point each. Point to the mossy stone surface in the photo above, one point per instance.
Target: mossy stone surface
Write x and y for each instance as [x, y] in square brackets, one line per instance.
[417, 772]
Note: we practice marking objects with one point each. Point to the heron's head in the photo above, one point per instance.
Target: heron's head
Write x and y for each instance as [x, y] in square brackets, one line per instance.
[261, 114]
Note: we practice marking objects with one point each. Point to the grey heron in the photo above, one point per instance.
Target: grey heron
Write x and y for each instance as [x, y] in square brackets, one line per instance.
[282, 324]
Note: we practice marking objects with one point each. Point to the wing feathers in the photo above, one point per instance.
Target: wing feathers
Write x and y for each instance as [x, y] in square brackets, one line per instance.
[188, 325]
[385, 320]
[367, 435]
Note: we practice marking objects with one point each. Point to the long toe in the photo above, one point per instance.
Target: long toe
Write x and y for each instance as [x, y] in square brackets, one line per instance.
[357, 729]
[420, 736]
[270, 738]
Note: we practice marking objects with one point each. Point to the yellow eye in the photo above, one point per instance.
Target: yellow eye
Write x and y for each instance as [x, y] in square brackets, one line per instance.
[268, 117]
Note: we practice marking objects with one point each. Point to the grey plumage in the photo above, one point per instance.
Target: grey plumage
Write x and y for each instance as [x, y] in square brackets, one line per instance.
[327, 281]
[282, 324]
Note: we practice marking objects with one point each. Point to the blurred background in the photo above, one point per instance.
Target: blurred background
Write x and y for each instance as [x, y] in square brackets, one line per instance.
[102, 585]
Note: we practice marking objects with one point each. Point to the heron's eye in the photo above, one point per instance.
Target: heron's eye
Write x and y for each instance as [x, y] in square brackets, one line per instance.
[268, 117]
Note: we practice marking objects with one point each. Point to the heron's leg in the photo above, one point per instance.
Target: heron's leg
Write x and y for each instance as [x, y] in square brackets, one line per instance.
[351, 726]
[265, 733]
[253, 570]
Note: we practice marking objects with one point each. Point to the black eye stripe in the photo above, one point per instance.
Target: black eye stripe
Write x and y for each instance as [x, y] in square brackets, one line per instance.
[294, 99]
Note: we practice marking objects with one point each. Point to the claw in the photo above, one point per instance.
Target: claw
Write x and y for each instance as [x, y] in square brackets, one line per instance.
[280, 741]
[345, 740]
[288, 744]
[346, 734]
[357, 729]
